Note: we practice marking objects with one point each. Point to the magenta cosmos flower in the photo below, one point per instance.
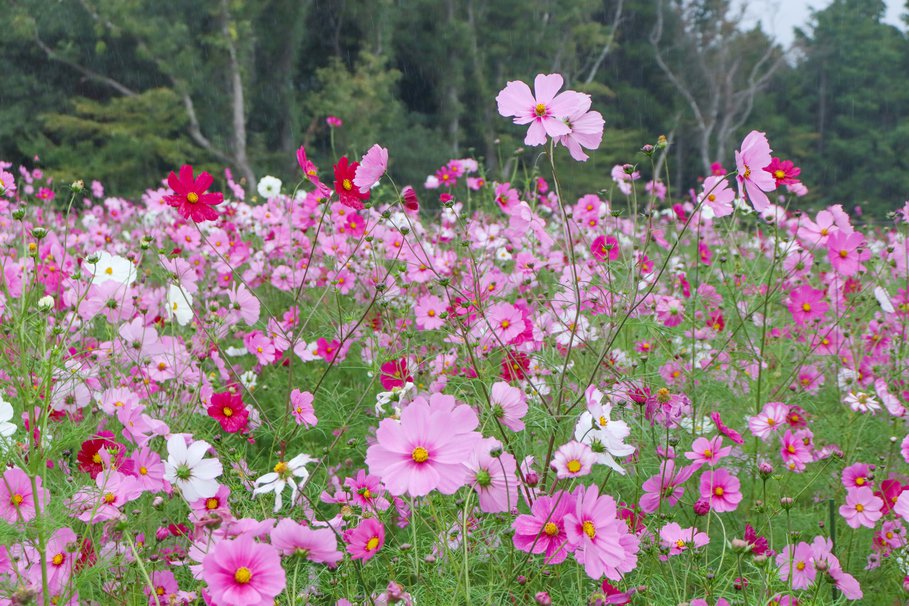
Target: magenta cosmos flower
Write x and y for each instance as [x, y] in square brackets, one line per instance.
[807, 304]
[190, 197]
[243, 572]
[426, 449]
[602, 541]
[845, 252]
[228, 409]
[543, 529]
[364, 541]
[302, 409]
[751, 161]
[543, 109]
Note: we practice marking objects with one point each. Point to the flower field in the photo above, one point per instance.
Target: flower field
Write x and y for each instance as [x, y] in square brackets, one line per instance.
[473, 390]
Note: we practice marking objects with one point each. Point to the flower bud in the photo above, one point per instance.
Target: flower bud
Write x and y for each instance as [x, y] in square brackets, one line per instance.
[543, 599]
[46, 303]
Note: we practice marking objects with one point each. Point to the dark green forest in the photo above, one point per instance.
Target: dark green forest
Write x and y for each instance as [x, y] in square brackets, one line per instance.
[125, 90]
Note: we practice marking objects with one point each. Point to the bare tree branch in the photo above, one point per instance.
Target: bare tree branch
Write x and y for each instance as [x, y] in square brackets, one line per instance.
[616, 19]
[88, 73]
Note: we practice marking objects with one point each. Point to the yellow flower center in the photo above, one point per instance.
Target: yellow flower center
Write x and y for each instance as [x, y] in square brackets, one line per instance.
[227, 412]
[800, 566]
[680, 544]
[589, 529]
[604, 421]
[243, 575]
[109, 497]
[143, 470]
[779, 174]
[192, 197]
[540, 109]
[550, 529]
[844, 254]
[347, 185]
[708, 453]
[860, 508]
[505, 323]
[160, 590]
[860, 481]
[718, 491]
[16, 500]
[366, 494]
[712, 198]
[747, 172]
[58, 559]
[419, 455]
[211, 503]
[280, 467]
[372, 544]
[96, 458]
[806, 306]
[109, 271]
[574, 466]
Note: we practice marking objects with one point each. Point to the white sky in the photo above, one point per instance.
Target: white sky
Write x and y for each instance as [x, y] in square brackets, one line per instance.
[780, 17]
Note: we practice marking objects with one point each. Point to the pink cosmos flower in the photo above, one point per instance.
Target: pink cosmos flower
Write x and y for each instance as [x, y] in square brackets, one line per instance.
[708, 451]
[366, 491]
[678, 540]
[586, 131]
[844, 254]
[260, 346]
[364, 541]
[807, 304]
[543, 529]
[428, 310]
[112, 491]
[491, 471]
[605, 248]
[717, 196]
[334, 122]
[856, 476]
[862, 508]
[573, 460]
[796, 566]
[426, 449]
[61, 556]
[750, 162]
[242, 572]
[18, 502]
[302, 409]
[190, 197]
[784, 171]
[394, 374]
[794, 452]
[544, 110]
[772, 418]
[665, 485]
[602, 541]
[315, 544]
[721, 489]
[372, 167]
[509, 405]
[725, 430]
[506, 320]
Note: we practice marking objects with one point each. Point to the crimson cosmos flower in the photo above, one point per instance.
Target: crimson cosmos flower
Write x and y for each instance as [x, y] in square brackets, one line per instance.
[190, 197]
[350, 195]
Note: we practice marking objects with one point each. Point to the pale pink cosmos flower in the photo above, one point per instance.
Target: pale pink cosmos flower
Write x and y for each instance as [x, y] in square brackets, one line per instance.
[573, 460]
[509, 405]
[543, 109]
[665, 486]
[242, 572]
[679, 540]
[862, 507]
[302, 409]
[752, 178]
[506, 320]
[721, 489]
[112, 491]
[717, 197]
[846, 252]
[491, 471]
[315, 544]
[771, 419]
[426, 449]
[586, 131]
[372, 166]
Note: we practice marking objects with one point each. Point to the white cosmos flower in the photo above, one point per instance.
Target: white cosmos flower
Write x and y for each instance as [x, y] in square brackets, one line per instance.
[605, 436]
[7, 429]
[179, 305]
[269, 187]
[187, 469]
[285, 474]
[110, 267]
